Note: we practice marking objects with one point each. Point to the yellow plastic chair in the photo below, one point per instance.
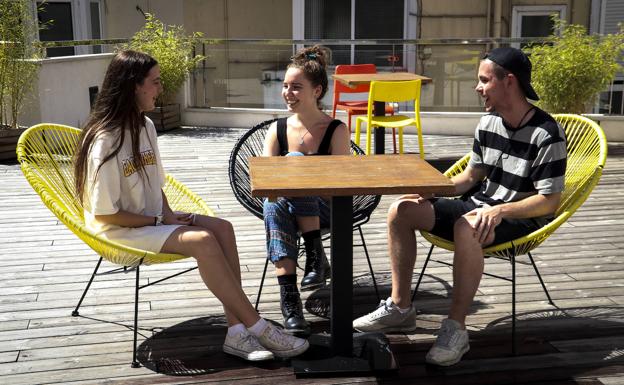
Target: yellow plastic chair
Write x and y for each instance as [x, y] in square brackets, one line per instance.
[45, 153]
[587, 154]
[391, 92]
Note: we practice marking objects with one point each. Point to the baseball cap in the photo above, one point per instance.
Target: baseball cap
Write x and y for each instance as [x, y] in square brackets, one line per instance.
[516, 62]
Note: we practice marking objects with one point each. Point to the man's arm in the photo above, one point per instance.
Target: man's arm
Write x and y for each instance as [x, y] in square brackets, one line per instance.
[467, 179]
[487, 218]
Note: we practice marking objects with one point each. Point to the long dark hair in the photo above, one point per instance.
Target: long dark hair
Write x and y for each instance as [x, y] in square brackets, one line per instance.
[313, 62]
[115, 110]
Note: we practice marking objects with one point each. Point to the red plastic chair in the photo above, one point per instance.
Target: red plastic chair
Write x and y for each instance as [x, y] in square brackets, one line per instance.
[358, 107]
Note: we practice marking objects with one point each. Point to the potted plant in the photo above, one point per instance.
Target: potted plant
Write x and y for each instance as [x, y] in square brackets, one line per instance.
[19, 66]
[173, 49]
[572, 68]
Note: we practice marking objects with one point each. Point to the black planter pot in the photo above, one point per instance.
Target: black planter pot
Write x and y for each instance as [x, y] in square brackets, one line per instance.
[166, 117]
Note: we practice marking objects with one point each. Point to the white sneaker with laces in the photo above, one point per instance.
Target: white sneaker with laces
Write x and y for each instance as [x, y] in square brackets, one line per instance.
[450, 346]
[282, 344]
[246, 346]
[387, 318]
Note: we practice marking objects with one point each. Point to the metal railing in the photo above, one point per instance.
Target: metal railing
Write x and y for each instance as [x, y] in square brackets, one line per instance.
[248, 73]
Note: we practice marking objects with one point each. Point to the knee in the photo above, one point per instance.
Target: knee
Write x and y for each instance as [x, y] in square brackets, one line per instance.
[271, 209]
[396, 211]
[406, 213]
[203, 240]
[463, 231]
[224, 228]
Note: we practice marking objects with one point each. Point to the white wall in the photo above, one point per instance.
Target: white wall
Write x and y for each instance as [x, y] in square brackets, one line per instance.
[63, 89]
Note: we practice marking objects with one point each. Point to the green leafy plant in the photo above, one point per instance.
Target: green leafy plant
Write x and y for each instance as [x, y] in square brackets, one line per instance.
[572, 68]
[172, 48]
[19, 58]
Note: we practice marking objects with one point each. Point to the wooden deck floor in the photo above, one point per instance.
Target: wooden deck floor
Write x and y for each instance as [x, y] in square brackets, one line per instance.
[44, 268]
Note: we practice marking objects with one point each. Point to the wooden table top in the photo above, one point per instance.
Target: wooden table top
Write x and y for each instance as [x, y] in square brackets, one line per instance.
[352, 80]
[343, 175]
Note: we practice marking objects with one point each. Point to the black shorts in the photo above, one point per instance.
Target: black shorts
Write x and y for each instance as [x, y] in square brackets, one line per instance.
[448, 211]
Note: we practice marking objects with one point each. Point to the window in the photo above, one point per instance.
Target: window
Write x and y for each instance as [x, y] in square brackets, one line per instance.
[70, 20]
[56, 19]
[361, 19]
[534, 21]
[95, 24]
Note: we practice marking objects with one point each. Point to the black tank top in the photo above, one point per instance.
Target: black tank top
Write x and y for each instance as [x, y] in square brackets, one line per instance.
[323, 149]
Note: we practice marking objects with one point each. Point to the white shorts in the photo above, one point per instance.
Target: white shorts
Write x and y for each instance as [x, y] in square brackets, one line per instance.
[150, 238]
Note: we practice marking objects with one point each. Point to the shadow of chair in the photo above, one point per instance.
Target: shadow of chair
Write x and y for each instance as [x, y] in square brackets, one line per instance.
[45, 153]
[391, 92]
[356, 107]
[250, 145]
[587, 154]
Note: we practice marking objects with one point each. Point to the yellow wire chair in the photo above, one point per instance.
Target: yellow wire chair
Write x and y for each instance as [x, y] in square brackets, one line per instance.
[45, 153]
[587, 154]
[391, 92]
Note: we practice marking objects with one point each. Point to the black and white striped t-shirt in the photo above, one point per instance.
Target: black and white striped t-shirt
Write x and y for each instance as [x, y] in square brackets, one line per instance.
[519, 162]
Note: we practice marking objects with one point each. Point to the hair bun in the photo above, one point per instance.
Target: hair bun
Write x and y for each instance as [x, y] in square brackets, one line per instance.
[316, 53]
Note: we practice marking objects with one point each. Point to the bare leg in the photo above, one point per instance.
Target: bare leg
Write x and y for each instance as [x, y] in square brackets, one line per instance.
[467, 268]
[214, 258]
[406, 215]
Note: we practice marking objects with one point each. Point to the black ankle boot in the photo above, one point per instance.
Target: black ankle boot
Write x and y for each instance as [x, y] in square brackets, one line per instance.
[292, 310]
[317, 268]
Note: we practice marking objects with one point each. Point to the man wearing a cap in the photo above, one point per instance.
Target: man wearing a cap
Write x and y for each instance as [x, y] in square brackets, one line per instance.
[511, 187]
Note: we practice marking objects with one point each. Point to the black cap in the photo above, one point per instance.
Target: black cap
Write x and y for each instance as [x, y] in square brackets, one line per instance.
[516, 62]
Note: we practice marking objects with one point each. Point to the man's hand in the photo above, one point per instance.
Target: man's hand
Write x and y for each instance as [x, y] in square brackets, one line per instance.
[418, 198]
[484, 220]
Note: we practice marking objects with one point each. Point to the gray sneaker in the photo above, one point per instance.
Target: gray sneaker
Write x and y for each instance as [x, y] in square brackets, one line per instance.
[387, 318]
[450, 346]
[246, 346]
[282, 344]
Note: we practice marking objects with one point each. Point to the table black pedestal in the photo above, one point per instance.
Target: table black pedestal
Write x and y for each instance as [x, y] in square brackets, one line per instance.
[342, 352]
[371, 354]
[379, 109]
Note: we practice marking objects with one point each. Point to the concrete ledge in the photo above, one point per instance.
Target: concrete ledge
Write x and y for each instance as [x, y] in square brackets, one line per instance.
[434, 123]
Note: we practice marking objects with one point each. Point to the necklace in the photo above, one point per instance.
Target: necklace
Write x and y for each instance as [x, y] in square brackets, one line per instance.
[303, 136]
[524, 116]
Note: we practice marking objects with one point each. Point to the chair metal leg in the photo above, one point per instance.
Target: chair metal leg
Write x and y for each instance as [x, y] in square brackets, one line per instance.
[135, 363]
[266, 265]
[540, 279]
[370, 266]
[513, 304]
[75, 313]
[422, 272]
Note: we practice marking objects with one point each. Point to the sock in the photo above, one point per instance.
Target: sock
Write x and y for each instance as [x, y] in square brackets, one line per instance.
[389, 301]
[236, 329]
[287, 279]
[311, 235]
[257, 328]
[403, 311]
[309, 240]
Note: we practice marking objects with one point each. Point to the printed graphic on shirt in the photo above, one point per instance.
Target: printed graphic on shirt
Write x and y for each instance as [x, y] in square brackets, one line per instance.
[148, 158]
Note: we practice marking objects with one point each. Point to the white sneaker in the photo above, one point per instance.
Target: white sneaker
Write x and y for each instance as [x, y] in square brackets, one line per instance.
[450, 346]
[387, 318]
[246, 346]
[282, 344]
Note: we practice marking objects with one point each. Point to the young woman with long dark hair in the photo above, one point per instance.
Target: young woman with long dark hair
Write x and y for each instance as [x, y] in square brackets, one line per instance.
[119, 179]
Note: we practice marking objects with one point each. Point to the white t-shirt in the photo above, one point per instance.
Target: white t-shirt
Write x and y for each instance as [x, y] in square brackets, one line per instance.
[119, 186]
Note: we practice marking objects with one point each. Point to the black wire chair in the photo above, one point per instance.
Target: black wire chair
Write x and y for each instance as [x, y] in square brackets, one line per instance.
[249, 145]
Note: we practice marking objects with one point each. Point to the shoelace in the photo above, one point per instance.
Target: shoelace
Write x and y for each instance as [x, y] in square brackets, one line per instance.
[278, 337]
[445, 336]
[378, 312]
[292, 305]
[249, 340]
[313, 262]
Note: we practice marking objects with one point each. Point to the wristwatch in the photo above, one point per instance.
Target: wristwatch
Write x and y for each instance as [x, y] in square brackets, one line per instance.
[158, 220]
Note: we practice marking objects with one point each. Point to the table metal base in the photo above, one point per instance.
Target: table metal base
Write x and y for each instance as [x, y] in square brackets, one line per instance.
[371, 353]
